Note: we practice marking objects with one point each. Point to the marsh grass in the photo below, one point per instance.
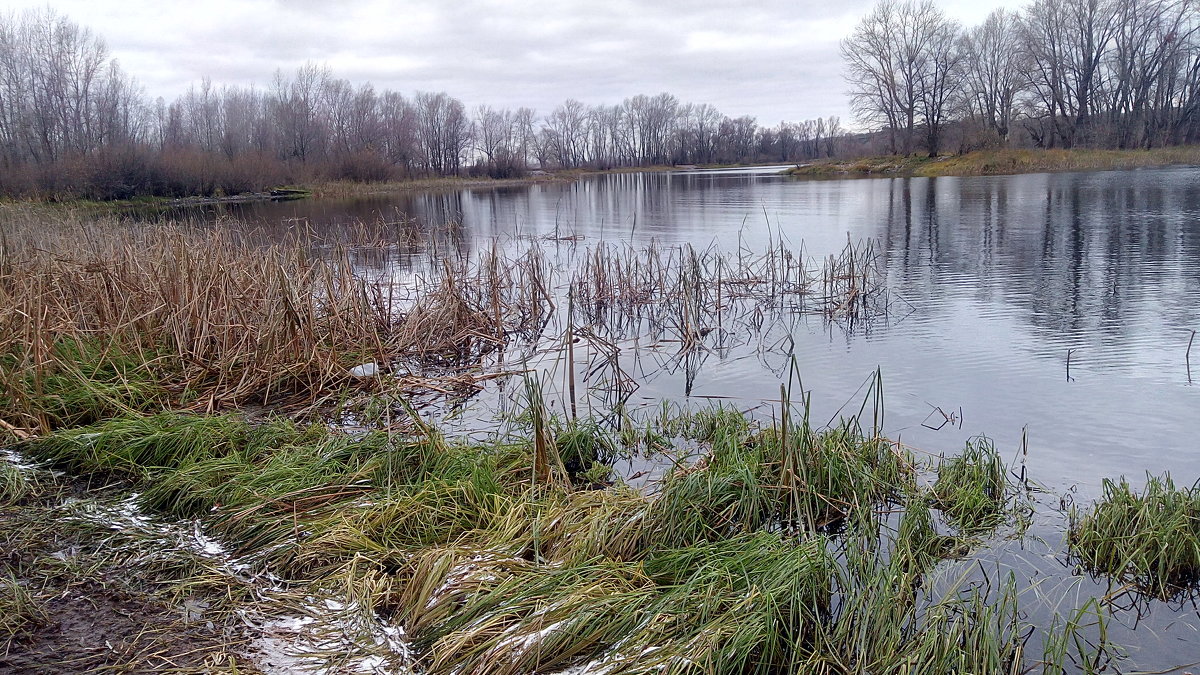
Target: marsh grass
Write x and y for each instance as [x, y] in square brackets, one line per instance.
[1148, 539]
[768, 552]
[93, 380]
[766, 548]
[102, 317]
[972, 488]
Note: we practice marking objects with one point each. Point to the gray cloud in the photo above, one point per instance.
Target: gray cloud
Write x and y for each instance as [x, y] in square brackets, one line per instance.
[774, 59]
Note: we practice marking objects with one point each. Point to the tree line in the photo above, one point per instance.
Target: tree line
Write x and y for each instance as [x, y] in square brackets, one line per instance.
[72, 123]
[1059, 73]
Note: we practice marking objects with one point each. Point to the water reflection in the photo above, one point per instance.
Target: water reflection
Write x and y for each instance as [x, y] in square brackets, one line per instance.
[1001, 278]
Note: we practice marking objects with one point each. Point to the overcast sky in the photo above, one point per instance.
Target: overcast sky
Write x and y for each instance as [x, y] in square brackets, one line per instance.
[773, 59]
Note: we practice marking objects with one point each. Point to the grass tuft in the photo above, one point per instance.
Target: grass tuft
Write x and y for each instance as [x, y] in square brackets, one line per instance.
[1150, 539]
[971, 488]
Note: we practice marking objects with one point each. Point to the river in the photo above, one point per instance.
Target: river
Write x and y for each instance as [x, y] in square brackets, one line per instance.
[1054, 307]
[1053, 313]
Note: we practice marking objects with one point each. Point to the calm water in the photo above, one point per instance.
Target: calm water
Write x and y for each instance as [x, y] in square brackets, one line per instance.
[1055, 306]
[1002, 277]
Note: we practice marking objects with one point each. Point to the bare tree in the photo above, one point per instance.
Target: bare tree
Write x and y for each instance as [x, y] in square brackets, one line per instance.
[567, 127]
[994, 71]
[1067, 41]
[939, 71]
[496, 138]
[833, 135]
[296, 108]
[525, 135]
[1151, 39]
[444, 131]
[902, 63]
[398, 131]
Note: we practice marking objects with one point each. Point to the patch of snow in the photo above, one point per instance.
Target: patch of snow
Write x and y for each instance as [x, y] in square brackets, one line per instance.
[330, 636]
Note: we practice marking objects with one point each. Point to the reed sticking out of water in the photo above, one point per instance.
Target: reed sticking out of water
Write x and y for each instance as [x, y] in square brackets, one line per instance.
[693, 292]
[100, 319]
[1151, 539]
[1187, 356]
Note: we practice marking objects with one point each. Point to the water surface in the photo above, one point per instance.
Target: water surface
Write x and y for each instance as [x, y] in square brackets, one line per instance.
[1055, 308]
[1002, 282]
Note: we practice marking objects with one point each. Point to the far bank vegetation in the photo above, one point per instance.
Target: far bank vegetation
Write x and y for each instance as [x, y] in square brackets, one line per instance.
[1092, 74]
[1065, 74]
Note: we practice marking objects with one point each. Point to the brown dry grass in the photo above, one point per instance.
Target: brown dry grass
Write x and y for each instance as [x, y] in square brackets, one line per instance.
[212, 318]
[1004, 162]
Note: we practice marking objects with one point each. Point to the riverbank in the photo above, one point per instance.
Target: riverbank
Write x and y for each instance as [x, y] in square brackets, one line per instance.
[313, 189]
[1001, 162]
[335, 189]
[345, 189]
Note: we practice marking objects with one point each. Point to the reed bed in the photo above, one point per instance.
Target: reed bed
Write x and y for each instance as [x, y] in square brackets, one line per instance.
[102, 318]
[691, 292]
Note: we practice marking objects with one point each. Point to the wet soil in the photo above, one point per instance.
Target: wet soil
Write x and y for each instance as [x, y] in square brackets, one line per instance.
[83, 609]
[93, 628]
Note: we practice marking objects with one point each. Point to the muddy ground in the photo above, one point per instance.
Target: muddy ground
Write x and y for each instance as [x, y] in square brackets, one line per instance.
[74, 599]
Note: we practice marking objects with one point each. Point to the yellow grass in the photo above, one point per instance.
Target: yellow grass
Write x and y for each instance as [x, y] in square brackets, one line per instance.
[1004, 162]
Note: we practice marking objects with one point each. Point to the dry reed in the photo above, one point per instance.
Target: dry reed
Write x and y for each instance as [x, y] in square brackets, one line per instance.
[102, 317]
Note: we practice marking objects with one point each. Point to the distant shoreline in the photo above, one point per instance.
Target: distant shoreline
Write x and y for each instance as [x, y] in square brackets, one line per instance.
[976, 163]
[356, 189]
[1000, 162]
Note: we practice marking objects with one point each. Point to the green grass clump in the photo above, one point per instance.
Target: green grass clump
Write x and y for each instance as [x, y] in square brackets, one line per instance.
[141, 447]
[747, 605]
[971, 488]
[787, 476]
[824, 476]
[277, 487]
[1150, 539]
[89, 380]
[791, 476]
[715, 425]
[584, 449]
